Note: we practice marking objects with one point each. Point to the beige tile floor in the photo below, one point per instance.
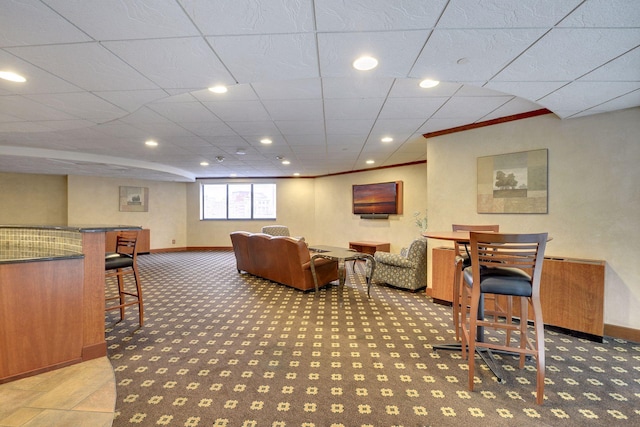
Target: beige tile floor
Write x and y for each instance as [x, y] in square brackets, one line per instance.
[79, 395]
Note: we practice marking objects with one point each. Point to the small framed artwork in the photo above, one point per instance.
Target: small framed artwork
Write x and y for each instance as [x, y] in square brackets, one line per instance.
[513, 183]
[134, 199]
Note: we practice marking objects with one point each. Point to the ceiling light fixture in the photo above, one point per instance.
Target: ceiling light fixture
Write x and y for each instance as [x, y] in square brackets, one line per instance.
[240, 152]
[296, 174]
[12, 77]
[370, 162]
[220, 159]
[365, 63]
[204, 163]
[286, 162]
[387, 139]
[266, 141]
[279, 157]
[151, 143]
[428, 83]
[218, 89]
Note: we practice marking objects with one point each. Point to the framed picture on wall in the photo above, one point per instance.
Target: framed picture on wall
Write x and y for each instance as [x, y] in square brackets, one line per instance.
[513, 183]
[134, 199]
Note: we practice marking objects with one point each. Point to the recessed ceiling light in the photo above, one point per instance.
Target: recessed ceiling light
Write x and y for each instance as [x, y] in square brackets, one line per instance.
[286, 162]
[387, 139]
[240, 152]
[296, 174]
[365, 63]
[12, 77]
[370, 162]
[218, 89]
[428, 83]
[233, 175]
[220, 159]
[204, 163]
[266, 141]
[151, 143]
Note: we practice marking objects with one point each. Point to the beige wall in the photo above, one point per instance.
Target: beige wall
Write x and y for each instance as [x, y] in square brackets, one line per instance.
[594, 192]
[94, 200]
[295, 206]
[336, 225]
[33, 199]
[594, 199]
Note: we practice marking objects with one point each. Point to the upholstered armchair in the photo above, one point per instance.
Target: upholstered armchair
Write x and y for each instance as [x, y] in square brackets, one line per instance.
[407, 270]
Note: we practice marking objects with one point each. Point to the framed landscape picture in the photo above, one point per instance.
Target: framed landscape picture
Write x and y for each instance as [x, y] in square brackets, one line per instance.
[134, 199]
[513, 183]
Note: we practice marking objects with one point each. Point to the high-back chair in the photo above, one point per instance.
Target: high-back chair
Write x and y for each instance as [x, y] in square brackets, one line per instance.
[463, 260]
[118, 264]
[276, 230]
[509, 265]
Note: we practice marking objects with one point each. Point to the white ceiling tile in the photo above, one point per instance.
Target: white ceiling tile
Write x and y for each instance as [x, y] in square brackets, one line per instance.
[268, 57]
[293, 109]
[183, 111]
[236, 92]
[38, 80]
[44, 26]
[471, 55]
[513, 107]
[473, 108]
[505, 13]
[301, 127]
[588, 94]
[527, 90]
[409, 88]
[352, 126]
[374, 15]
[622, 68]
[289, 89]
[131, 100]
[360, 86]
[396, 52]
[250, 16]
[238, 111]
[355, 108]
[411, 108]
[82, 105]
[604, 13]
[27, 109]
[126, 19]
[311, 140]
[566, 54]
[255, 129]
[87, 65]
[175, 63]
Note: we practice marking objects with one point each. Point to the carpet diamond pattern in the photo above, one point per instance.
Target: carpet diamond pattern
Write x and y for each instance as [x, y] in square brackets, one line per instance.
[221, 348]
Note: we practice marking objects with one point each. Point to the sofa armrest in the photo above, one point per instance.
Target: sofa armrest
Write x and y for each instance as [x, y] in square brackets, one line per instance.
[392, 259]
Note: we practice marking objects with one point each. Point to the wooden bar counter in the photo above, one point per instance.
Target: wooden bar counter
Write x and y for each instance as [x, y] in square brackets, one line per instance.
[51, 297]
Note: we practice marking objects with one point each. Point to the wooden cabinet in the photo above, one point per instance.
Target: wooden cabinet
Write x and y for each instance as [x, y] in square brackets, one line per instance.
[370, 248]
[144, 241]
[571, 290]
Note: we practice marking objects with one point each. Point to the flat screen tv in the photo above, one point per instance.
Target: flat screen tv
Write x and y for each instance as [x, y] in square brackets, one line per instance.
[380, 198]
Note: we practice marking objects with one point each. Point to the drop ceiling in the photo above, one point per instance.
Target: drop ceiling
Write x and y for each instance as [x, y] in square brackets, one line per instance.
[103, 77]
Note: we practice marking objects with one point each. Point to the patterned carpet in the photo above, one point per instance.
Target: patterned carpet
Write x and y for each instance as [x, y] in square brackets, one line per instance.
[225, 349]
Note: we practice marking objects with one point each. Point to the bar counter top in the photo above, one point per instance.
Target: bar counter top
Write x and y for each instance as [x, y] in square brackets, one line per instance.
[31, 243]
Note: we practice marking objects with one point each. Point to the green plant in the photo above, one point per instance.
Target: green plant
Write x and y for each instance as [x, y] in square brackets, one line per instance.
[421, 221]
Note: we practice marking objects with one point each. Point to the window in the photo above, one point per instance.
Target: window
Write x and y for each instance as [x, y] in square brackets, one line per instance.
[238, 201]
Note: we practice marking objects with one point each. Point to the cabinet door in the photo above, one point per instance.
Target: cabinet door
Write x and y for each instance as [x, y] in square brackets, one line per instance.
[442, 274]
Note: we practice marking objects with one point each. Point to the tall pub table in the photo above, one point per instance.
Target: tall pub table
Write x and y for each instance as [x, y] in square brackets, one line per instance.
[341, 255]
[462, 237]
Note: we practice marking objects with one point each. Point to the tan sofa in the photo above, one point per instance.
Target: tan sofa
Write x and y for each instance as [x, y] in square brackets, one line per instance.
[280, 259]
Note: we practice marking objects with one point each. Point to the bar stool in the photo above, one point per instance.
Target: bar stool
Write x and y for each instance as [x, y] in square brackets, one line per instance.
[508, 265]
[119, 264]
[462, 261]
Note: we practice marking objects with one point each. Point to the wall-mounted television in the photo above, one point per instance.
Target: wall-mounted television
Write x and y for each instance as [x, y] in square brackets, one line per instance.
[377, 200]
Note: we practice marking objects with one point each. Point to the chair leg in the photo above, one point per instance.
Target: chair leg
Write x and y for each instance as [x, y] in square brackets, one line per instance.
[120, 279]
[139, 293]
[539, 336]
[457, 308]
[473, 318]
